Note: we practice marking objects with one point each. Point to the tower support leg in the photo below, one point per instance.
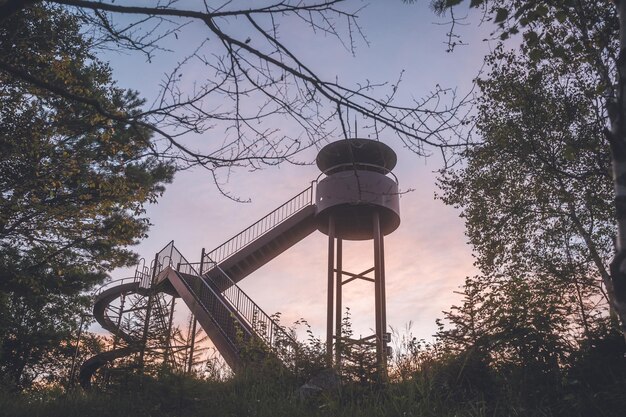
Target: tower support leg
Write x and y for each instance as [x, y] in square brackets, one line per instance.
[334, 337]
[379, 297]
[338, 295]
[330, 299]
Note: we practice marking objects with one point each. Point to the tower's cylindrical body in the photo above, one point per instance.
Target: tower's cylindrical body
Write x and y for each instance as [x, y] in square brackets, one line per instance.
[357, 199]
[358, 182]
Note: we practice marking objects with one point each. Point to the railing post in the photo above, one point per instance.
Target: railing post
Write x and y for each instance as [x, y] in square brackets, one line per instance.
[146, 326]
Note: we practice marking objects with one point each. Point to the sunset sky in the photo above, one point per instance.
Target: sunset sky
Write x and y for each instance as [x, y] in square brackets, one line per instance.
[427, 258]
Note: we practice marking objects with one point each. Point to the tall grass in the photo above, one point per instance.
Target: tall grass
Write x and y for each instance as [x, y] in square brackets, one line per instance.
[423, 382]
[259, 394]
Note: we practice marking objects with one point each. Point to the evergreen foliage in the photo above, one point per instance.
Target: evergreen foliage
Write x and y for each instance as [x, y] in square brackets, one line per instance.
[72, 186]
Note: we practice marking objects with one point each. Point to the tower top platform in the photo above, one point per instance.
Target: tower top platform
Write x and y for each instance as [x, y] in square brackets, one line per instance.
[347, 152]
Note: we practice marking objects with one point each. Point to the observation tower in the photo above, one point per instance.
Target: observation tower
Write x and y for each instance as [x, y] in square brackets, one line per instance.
[357, 199]
[354, 199]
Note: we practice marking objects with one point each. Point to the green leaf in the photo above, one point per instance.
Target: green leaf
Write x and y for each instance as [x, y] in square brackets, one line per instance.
[535, 54]
[569, 153]
[560, 52]
[542, 10]
[532, 38]
[561, 16]
[577, 49]
[501, 15]
[476, 3]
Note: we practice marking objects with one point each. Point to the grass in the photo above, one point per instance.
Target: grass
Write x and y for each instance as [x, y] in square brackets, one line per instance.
[424, 385]
[174, 396]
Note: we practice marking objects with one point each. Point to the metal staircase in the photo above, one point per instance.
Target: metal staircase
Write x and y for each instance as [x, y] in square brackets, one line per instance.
[264, 240]
[233, 321]
[102, 312]
[238, 327]
[104, 297]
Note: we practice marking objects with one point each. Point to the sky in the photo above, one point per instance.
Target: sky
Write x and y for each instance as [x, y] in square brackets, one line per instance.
[427, 257]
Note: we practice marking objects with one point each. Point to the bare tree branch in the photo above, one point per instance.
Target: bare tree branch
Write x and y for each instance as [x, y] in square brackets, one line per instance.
[258, 96]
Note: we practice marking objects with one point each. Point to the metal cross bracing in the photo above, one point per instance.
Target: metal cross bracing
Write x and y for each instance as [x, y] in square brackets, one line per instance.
[336, 281]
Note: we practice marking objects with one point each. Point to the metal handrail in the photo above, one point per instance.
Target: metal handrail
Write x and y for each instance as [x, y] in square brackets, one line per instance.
[210, 302]
[264, 326]
[265, 224]
[113, 283]
[250, 317]
[171, 256]
[354, 166]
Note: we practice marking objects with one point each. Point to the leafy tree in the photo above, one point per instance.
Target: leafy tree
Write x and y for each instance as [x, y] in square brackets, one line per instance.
[467, 325]
[70, 178]
[588, 37]
[536, 198]
[38, 351]
[517, 325]
[72, 185]
[536, 193]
